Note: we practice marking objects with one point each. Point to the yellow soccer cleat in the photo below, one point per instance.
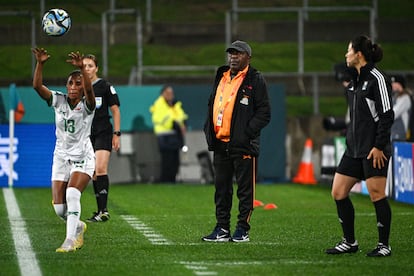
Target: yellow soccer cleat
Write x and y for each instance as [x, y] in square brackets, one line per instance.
[68, 245]
[80, 230]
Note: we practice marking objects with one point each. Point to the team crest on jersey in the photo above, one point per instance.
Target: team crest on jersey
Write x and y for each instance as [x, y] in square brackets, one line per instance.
[364, 86]
[98, 101]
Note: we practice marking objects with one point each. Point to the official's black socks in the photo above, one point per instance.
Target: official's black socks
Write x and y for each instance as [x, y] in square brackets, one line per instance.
[346, 215]
[96, 191]
[383, 211]
[103, 189]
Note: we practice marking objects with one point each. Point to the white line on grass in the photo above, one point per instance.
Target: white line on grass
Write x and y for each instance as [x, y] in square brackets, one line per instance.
[25, 255]
[158, 239]
[202, 268]
[251, 243]
[148, 232]
[396, 214]
[198, 268]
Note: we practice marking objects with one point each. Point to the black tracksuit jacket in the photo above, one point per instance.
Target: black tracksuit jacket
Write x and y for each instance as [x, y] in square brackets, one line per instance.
[370, 104]
[247, 119]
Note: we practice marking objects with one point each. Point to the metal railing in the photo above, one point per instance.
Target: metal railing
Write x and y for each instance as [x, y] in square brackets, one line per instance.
[32, 28]
[138, 27]
[301, 18]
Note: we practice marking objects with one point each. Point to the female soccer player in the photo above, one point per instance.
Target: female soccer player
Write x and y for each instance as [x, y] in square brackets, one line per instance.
[368, 145]
[73, 158]
[104, 137]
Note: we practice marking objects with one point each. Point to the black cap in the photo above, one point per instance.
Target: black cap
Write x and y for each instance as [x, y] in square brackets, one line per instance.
[240, 46]
[398, 78]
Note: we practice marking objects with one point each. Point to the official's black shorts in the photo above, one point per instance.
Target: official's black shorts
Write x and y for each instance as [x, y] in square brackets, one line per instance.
[360, 168]
[103, 141]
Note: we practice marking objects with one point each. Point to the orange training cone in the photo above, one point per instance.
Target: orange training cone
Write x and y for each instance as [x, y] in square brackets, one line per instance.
[257, 203]
[305, 171]
[270, 206]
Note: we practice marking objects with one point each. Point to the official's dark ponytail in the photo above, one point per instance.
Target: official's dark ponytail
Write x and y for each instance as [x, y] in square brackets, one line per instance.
[371, 51]
[376, 53]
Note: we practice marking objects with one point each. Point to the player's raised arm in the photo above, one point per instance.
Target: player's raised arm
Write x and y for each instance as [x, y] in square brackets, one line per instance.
[41, 56]
[76, 59]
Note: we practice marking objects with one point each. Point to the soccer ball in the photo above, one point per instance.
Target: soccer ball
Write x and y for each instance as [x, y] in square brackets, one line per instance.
[56, 22]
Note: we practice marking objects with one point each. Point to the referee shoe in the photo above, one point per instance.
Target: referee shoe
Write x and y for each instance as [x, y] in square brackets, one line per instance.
[343, 247]
[99, 217]
[380, 251]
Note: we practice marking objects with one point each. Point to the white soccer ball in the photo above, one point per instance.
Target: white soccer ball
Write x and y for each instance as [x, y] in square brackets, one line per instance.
[56, 22]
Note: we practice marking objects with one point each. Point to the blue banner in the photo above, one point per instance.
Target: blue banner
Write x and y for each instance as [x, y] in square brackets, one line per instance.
[403, 172]
[33, 147]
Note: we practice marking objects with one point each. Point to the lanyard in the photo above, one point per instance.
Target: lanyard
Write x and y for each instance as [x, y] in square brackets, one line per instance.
[222, 109]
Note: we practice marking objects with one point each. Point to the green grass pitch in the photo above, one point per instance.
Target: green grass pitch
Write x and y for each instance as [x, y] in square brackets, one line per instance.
[157, 230]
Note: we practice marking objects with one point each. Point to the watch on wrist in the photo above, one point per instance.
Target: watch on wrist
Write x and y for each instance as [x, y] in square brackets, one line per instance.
[117, 133]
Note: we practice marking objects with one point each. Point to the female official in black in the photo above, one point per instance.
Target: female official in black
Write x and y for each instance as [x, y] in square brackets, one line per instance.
[104, 136]
[368, 146]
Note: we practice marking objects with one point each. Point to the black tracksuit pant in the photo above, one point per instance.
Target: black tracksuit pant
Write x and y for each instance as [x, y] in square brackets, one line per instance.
[170, 164]
[243, 167]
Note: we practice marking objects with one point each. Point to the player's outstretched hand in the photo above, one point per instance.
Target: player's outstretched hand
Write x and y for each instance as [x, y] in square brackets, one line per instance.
[76, 59]
[40, 54]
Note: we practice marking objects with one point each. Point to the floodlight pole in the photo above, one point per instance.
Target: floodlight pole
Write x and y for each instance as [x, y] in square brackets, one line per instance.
[300, 42]
[148, 18]
[228, 32]
[42, 8]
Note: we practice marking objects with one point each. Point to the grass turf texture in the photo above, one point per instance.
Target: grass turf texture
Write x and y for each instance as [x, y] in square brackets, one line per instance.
[289, 240]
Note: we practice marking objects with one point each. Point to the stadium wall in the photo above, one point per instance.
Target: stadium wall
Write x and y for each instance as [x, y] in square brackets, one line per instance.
[138, 160]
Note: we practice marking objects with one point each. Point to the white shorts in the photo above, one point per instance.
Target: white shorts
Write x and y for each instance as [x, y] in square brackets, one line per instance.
[62, 169]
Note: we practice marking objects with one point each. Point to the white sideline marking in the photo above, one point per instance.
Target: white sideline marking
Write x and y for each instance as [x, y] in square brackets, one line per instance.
[198, 268]
[393, 214]
[25, 255]
[158, 239]
[201, 268]
[146, 231]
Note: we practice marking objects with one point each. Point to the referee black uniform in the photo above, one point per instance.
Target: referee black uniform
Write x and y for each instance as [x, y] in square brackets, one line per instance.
[101, 136]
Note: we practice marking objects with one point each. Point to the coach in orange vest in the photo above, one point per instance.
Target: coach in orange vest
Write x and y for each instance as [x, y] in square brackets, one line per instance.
[238, 109]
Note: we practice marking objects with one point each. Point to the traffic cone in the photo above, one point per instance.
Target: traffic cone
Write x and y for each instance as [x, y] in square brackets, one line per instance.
[305, 172]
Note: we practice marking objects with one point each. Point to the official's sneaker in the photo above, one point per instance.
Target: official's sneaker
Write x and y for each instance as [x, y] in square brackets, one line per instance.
[68, 245]
[380, 251]
[343, 247]
[218, 235]
[240, 235]
[80, 230]
[99, 217]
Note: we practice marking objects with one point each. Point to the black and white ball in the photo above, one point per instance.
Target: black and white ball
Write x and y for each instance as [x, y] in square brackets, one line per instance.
[56, 22]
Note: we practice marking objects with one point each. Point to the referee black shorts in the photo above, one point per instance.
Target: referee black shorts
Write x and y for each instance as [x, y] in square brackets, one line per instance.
[360, 168]
[102, 141]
